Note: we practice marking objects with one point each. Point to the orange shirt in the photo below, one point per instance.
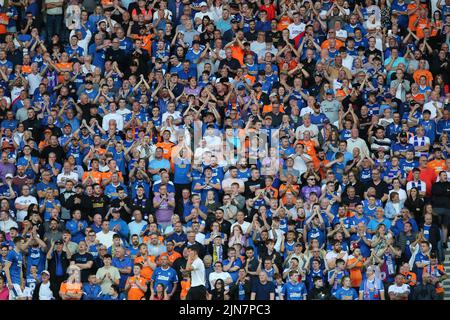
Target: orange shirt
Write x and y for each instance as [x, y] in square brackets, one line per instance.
[423, 23]
[238, 53]
[146, 271]
[26, 69]
[284, 22]
[4, 19]
[167, 149]
[310, 147]
[95, 175]
[420, 97]
[410, 278]
[107, 175]
[250, 78]
[296, 187]
[135, 293]
[355, 272]
[436, 273]
[273, 191]
[326, 44]
[185, 286]
[268, 108]
[437, 165]
[172, 256]
[65, 66]
[73, 288]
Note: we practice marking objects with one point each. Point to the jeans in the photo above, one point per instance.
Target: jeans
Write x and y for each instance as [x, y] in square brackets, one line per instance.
[54, 25]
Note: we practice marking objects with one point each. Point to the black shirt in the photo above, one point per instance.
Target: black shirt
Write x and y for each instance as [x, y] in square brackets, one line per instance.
[380, 188]
[82, 259]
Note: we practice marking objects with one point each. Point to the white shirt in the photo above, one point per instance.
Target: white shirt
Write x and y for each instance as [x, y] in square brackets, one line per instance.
[28, 200]
[341, 33]
[432, 107]
[198, 273]
[45, 293]
[214, 276]
[243, 226]
[421, 185]
[295, 30]
[34, 80]
[200, 238]
[63, 177]
[312, 128]
[5, 226]
[333, 255]
[176, 115]
[401, 194]
[112, 116]
[399, 289]
[105, 238]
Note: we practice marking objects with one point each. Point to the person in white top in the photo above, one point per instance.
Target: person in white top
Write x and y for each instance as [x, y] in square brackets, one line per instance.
[307, 125]
[23, 202]
[112, 115]
[336, 253]
[245, 225]
[66, 175]
[399, 290]
[197, 268]
[433, 105]
[219, 274]
[296, 27]
[6, 223]
[105, 236]
[45, 288]
[356, 141]
[417, 183]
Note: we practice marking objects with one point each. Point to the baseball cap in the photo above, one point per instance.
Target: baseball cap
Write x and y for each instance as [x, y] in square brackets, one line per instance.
[45, 272]
[58, 242]
[67, 125]
[329, 91]
[403, 135]
[203, 3]
[234, 20]
[9, 175]
[241, 87]
[388, 95]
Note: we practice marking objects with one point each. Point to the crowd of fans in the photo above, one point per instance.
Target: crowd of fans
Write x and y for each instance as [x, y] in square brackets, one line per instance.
[224, 149]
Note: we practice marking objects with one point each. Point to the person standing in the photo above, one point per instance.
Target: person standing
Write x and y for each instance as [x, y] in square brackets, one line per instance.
[13, 270]
[197, 268]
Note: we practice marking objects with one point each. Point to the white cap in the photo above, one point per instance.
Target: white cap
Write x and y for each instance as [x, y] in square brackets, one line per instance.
[203, 3]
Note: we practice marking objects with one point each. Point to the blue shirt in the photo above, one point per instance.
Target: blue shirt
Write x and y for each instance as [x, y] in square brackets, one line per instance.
[159, 164]
[91, 292]
[121, 264]
[16, 260]
[234, 274]
[165, 277]
[263, 291]
[346, 294]
[292, 291]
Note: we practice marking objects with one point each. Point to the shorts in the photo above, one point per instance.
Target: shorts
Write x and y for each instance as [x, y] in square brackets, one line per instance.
[16, 292]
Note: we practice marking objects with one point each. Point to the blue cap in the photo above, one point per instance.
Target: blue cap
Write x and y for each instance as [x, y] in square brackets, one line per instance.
[329, 91]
